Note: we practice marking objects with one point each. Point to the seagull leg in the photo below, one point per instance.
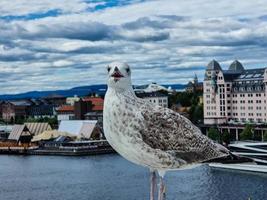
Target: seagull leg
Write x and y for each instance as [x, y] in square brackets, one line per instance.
[162, 188]
[153, 184]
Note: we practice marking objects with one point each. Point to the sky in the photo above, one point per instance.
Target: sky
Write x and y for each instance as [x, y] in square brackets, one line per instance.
[60, 44]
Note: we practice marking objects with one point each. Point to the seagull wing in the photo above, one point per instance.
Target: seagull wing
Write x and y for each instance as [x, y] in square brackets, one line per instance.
[171, 132]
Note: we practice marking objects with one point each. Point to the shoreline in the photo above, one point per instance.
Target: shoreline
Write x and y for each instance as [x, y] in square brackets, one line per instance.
[56, 151]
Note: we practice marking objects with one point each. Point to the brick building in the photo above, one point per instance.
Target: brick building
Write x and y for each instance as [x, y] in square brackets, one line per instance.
[235, 95]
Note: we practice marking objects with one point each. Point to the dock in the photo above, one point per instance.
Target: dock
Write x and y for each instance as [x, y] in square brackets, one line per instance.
[78, 148]
[71, 152]
[55, 151]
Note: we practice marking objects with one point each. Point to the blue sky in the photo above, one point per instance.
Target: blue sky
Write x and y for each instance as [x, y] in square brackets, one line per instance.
[61, 44]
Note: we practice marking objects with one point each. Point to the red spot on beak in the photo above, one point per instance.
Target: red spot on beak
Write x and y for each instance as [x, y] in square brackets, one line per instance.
[117, 74]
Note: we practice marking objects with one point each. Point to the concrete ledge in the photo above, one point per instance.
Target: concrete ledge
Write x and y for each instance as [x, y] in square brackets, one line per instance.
[242, 167]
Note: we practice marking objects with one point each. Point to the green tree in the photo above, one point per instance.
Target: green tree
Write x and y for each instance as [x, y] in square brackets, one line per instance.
[31, 119]
[19, 120]
[185, 98]
[53, 122]
[214, 134]
[194, 99]
[247, 133]
[12, 120]
[265, 136]
[226, 138]
[196, 113]
[191, 112]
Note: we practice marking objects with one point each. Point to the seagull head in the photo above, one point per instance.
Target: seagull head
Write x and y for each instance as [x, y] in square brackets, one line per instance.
[119, 75]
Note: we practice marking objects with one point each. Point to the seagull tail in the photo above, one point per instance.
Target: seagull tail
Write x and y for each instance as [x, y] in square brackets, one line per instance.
[230, 159]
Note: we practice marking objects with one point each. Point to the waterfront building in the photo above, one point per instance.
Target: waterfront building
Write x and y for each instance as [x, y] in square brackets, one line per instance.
[42, 111]
[20, 134]
[152, 87]
[98, 116]
[194, 86]
[96, 111]
[81, 108]
[233, 98]
[97, 103]
[5, 130]
[235, 95]
[56, 100]
[15, 109]
[37, 128]
[1, 115]
[83, 129]
[71, 100]
[65, 112]
[156, 98]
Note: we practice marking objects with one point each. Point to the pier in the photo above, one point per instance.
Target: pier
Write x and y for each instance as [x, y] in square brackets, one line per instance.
[77, 148]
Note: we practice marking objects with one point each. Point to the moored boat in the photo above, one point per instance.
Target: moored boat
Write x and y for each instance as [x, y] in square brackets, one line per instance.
[254, 150]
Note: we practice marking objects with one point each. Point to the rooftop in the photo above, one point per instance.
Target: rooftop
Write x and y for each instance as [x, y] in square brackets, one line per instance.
[18, 131]
[41, 110]
[21, 103]
[37, 128]
[236, 66]
[97, 103]
[214, 65]
[235, 72]
[150, 94]
[251, 74]
[66, 108]
[79, 128]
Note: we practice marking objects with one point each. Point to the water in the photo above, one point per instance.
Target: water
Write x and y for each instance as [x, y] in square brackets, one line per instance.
[106, 177]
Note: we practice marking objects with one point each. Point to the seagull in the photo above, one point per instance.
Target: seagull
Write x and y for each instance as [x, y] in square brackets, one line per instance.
[152, 136]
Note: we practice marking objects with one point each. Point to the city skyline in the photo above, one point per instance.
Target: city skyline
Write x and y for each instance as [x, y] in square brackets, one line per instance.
[62, 44]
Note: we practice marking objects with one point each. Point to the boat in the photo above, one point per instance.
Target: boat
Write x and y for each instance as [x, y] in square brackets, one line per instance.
[243, 167]
[254, 150]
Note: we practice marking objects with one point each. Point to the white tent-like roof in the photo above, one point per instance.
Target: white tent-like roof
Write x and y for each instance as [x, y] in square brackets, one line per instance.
[48, 135]
[37, 128]
[79, 128]
[18, 131]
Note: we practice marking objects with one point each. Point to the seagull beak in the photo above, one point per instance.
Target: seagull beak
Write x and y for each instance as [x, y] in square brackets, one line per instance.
[116, 74]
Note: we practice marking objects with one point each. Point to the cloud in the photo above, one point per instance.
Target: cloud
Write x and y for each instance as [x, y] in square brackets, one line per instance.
[158, 23]
[71, 47]
[26, 7]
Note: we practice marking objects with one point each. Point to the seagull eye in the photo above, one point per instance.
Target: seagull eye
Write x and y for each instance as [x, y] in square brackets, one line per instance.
[127, 70]
[108, 69]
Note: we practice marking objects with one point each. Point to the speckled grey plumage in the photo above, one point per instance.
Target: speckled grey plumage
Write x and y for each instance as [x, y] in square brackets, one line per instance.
[177, 141]
[149, 135]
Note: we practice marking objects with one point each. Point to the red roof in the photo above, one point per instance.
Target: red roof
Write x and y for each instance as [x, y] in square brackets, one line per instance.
[97, 108]
[94, 100]
[97, 102]
[66, 108]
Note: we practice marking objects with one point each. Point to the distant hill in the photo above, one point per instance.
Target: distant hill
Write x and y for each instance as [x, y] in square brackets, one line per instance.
[80, 91]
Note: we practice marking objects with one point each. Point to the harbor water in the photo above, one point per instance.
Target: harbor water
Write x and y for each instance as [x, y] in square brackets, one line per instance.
[110, 177]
